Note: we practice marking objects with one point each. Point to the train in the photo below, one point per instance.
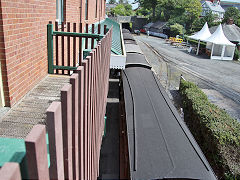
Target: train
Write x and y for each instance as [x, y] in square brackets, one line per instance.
[160, 146]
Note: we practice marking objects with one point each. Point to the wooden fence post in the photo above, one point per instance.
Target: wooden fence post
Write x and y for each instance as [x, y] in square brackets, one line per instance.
[66, 100]
[36, 153]
[54, 123]
[81, 141]
[86, 117]
[10, 171]
[75, 131]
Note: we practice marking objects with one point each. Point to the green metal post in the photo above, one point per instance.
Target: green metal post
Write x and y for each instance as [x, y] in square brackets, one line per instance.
[50, 48]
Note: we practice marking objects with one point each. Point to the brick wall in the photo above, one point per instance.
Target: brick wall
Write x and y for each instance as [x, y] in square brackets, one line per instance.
[23, 40]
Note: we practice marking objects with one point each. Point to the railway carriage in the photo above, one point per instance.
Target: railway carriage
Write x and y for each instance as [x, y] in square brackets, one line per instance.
[159, 143]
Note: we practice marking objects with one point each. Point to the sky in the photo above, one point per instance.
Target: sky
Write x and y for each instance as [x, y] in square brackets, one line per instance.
[134, 6]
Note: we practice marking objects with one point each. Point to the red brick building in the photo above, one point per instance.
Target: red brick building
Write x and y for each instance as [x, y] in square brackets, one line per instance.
[23, 39]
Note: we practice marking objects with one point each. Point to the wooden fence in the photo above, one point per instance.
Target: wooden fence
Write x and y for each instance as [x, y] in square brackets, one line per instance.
[75, 125]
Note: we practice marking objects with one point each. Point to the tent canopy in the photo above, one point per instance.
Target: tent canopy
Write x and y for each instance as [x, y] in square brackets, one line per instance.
[221, 47]
[218, 37]
[203, 34]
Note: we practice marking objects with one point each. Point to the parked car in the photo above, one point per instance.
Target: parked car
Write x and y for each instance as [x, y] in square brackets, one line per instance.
[143, 30]
[136, 31]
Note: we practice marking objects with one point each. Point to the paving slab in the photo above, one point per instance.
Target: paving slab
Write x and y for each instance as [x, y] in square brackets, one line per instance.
[31, 110]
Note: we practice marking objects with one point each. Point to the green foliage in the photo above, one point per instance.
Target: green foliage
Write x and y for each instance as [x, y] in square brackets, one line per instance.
[195, 42]
[215, 131]
[120, 1]
[232, 13]
[193, 10]
[142, 12]
[172, 8]
[183, 12]
[150, 5]
[199, 23]
[122, 10]
[176, 29]
[236, 54]
[112, 2]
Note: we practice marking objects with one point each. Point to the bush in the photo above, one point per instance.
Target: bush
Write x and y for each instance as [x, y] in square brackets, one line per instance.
[195, 42]
[176, 29]
[215, 131]
[236, 54]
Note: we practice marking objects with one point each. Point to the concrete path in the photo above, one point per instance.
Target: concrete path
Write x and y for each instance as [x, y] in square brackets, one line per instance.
[225, 73]
[31, 110]
[220, 80]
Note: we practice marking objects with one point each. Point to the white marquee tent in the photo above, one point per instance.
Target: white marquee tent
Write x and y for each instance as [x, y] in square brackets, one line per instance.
[221, 48]
[201, 35]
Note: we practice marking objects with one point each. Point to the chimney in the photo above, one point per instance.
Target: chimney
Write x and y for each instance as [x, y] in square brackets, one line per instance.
[230, 21]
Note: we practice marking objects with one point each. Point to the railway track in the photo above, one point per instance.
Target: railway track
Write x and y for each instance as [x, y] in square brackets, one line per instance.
[230, 93]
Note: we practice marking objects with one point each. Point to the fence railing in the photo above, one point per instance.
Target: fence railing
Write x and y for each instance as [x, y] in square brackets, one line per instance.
[65, 49]
[75, 125]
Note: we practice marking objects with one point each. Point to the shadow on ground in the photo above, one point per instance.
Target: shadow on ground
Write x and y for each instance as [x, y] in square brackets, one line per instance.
[109, 156]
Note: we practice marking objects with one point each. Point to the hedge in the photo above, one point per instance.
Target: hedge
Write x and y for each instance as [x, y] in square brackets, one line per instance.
[215, 131]
[202, 44]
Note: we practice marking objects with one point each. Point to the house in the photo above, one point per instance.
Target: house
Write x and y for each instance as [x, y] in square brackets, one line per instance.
[23, 37]
[159, 29]
[147, 26]
[230, 3]
[214, 7]
[231, 31]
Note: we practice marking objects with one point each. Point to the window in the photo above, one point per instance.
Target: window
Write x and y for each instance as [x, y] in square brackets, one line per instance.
[59, 11]
[86, 10]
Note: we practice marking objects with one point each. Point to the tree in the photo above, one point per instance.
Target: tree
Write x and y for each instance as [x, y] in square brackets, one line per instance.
[232, 13]
[122, 10]
[172, 8]
[199, 23]
[143, 12]
[183, 12]
[123, 2]
[112, 2]
[176, 29]
[150, 5]
[192, 12]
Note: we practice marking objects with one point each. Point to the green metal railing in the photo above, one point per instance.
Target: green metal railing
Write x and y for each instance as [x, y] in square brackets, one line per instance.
[74, 35]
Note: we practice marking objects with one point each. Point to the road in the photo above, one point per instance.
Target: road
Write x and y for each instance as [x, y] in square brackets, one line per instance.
[220, 80]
